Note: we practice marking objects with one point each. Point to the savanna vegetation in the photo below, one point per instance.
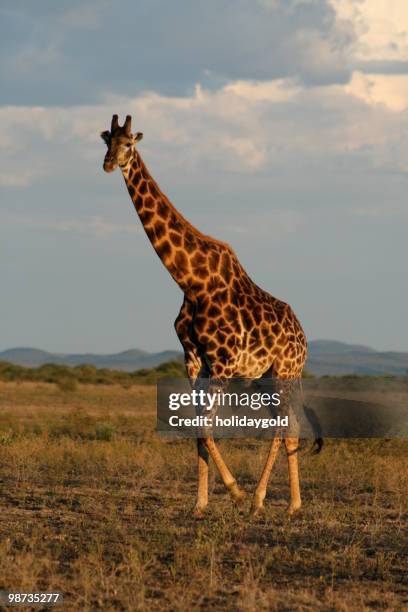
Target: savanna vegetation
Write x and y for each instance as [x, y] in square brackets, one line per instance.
[68, 378]
[96, 505]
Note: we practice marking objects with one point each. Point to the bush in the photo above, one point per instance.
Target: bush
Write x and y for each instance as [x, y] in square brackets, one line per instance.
[104, 431]
[67, 378]
[67, 384]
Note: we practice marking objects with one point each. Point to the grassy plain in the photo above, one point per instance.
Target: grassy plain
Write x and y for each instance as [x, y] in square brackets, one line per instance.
[95, 505]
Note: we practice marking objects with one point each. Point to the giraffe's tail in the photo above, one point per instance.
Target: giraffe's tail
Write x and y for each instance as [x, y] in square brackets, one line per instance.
[317, 430]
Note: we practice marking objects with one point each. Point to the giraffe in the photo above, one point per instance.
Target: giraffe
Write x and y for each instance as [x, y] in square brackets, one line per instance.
[228, 326]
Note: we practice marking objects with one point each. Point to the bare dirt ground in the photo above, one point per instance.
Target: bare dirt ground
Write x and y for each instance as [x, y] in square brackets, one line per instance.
[95, 505]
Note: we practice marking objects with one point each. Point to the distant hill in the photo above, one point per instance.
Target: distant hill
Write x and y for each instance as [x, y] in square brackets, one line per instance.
[325, 357]
[133, 359]
[339, 358]
[324, 347]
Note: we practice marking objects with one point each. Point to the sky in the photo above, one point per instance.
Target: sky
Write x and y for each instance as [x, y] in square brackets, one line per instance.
[279, 126]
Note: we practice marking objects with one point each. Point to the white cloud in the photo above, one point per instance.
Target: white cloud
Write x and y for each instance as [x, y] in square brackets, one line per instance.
[242, 127]
[278, 90]
[381, 27]
[388, 89]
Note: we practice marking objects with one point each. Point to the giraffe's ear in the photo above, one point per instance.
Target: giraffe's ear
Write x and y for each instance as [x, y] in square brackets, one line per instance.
[106, 136]
[138, 136]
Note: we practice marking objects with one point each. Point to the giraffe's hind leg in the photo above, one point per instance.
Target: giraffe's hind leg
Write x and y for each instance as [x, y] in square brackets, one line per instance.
[292, 447]
[287, 396]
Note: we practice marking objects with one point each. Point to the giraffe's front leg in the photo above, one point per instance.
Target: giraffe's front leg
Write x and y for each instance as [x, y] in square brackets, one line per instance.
[183, 327]
[215, 386]
[202, 491]
[228, 479]
[194, 367]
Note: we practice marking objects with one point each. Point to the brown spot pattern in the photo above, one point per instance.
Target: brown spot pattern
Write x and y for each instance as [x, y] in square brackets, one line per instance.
[243, 330]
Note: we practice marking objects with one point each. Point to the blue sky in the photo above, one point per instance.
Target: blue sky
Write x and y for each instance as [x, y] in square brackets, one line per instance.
[277, 125]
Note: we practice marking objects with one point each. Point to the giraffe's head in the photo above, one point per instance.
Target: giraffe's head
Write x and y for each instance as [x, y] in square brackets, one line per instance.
[120, 142]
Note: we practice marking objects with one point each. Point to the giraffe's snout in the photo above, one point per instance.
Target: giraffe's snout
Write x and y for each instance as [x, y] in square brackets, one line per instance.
[109, 164]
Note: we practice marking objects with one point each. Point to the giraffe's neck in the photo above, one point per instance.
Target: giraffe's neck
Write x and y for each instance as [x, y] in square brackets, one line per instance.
[181, 247]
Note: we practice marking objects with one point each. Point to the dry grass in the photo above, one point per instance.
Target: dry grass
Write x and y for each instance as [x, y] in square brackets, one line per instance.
[95, 505]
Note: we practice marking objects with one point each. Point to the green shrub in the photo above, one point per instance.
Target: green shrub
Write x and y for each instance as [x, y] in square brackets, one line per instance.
[104, 431]
[67, 384]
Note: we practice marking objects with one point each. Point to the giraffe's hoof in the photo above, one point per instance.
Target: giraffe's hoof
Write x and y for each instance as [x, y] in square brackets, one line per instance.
[198, 513]
[257, 511]
[237, 494]
[292, 508]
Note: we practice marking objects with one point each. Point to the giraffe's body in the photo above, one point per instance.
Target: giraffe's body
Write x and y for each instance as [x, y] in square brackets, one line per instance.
[228, 326]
